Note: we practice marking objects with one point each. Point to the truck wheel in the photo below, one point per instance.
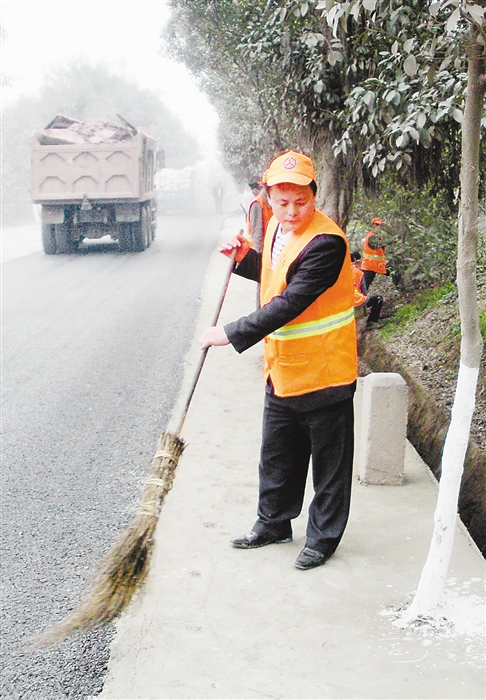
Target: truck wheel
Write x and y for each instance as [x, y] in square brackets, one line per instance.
[63, 239]
[147, 234]
[125, 238]
[153, 219]
[138, 235]
[49, 239]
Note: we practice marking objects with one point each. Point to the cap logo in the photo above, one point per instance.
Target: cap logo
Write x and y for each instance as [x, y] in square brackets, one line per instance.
[289, 163]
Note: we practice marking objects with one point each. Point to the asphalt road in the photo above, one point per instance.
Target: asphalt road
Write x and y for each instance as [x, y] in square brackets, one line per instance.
[93, 352]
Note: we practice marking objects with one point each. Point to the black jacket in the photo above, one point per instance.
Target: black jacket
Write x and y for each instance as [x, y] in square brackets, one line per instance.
[316, 269]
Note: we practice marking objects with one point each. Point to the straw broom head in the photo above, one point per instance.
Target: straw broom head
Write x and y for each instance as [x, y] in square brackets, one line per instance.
[123, 571]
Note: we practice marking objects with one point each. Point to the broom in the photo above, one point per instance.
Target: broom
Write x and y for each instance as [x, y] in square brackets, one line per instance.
[123, 571]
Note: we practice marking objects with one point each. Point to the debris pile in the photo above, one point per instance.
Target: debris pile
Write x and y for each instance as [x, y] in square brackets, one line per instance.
[64, 130]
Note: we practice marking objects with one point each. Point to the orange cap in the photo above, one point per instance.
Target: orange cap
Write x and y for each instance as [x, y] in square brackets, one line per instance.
[376, 221]
[291, 167]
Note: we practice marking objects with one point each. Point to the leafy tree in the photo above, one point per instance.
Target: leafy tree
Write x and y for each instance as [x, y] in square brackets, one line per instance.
[365, 86]
[85, 92]
[421, 237]
[205, 36]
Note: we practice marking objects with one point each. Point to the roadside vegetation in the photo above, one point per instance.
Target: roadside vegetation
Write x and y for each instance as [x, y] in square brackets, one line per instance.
[420, 230]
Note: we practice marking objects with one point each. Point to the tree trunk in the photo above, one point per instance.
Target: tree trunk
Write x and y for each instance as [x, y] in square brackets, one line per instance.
[336, 184]
[432, 581]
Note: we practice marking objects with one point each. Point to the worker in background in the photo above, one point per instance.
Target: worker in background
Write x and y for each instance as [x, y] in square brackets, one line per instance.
[307, 323]
[258, 216]
[255, 187]
[218, 192]
[373, 261]
[362, 300]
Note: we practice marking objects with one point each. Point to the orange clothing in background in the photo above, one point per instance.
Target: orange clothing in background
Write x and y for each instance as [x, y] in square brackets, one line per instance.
[358, 286]
[373, 260]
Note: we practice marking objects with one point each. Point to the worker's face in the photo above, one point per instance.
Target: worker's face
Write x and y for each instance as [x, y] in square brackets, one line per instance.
[293, 206]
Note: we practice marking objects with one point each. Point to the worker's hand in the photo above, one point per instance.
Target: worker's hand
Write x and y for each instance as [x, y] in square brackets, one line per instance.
[240, 243]
[214, 335]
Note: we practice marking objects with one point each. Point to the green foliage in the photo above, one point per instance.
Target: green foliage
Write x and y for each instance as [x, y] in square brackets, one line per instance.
[205, 35]
[427, 299]
[482, 324]
[421, 235]
[380, 82]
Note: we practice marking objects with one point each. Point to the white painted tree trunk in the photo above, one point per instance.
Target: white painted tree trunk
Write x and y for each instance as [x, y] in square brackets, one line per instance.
[434, 574]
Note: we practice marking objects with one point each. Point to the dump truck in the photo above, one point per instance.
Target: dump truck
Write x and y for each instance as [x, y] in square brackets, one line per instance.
[94, 179]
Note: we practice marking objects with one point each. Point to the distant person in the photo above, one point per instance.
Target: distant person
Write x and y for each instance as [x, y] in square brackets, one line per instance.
[258, 216]
[255, 186]
[218, 193]
[306, 321]
[373, 261]
[362, 300]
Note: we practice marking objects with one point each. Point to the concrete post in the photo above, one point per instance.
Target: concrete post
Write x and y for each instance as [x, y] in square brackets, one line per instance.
[383, 408]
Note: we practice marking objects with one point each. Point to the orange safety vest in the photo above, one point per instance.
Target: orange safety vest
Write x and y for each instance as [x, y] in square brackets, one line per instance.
[373, 259]
[317, 349]
[267, 214]
[359, 297]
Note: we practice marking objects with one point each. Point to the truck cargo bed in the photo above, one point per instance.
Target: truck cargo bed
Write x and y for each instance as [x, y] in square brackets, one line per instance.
[105, 172]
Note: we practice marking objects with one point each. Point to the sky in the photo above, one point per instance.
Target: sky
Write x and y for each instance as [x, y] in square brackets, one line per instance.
[121, 34]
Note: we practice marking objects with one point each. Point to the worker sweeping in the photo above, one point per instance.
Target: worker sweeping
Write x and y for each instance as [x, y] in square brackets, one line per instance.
[306, 321]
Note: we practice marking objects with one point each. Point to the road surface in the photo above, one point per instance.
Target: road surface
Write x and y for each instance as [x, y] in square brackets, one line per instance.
[93, 352]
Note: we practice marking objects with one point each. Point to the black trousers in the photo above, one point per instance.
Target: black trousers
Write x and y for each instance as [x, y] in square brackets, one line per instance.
[290, 439]
[369, 276]
[374, 304]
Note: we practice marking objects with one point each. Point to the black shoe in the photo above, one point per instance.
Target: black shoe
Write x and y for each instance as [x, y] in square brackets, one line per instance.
[310, 558]
[253, 540]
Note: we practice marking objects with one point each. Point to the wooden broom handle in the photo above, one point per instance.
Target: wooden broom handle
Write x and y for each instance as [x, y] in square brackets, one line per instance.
[204, 353]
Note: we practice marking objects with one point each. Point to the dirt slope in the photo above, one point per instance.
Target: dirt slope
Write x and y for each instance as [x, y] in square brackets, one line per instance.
[429, 348]
[426, 354]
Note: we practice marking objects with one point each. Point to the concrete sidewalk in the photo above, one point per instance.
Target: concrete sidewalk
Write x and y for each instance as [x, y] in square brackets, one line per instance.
[217, 622]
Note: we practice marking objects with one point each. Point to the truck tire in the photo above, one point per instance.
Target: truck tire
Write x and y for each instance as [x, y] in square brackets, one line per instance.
[146, 227]
[153, 219]
[49, 239]
[138, 234]
[63, 239]
[125, 238]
